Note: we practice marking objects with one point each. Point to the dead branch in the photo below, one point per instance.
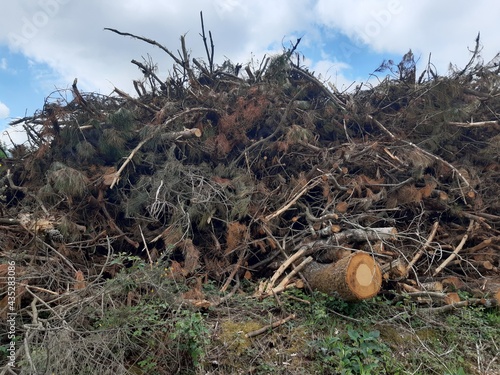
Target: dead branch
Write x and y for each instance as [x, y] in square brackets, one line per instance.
[235, 270]
[311, 184]
[135, 101]
[210, 54]
[485, 243]
[283, 283]
[423, 248]
[474, 56]
[27, 192]
[457, 305]
[149, 72]
[150, 41]
[270, 326]
[457, 250]
[336, 98]
[81, 101]
[112, 224]
[282, 268]
[186, 64]
[435, 157]
[475, 124]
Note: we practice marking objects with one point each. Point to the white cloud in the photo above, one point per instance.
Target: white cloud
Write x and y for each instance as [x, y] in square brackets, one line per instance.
[443, 28]
[68, 35]
[72, 41]
[4, 111]
[12, 135]
[3, 63]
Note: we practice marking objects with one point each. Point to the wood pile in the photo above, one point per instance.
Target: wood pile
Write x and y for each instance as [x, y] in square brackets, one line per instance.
[263, 172]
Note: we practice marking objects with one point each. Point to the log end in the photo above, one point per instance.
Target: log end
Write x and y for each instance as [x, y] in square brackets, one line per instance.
[363, 277]
[353, 278]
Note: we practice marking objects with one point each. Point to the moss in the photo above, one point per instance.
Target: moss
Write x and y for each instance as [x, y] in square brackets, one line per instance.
[428, 334]
[394, 337]
[233, 335]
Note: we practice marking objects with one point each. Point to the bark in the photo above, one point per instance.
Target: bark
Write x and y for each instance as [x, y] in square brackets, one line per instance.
[353, 278]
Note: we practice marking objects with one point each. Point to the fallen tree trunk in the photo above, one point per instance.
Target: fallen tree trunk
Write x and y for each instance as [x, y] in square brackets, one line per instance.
[352, 278]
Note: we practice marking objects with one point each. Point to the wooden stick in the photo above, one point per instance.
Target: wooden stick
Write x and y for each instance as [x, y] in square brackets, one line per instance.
[456, 251]
[422, 250]
[235, 270]
[146, 247]
[282, 285]
[487, 242]
[304, 190]
[133, 100]
[270, 326]
[41, 290]
[283, 267]
[113, 225]
[469, 302]
[473, 124]
[26, 191]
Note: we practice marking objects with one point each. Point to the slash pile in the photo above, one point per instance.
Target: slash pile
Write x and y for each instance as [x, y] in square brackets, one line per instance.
[225, 173]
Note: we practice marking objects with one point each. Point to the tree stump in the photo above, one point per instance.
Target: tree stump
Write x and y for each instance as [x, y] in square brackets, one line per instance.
[352, 278]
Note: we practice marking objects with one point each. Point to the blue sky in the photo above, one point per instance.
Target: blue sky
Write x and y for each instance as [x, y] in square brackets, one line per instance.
[45, 44]
[24, 83]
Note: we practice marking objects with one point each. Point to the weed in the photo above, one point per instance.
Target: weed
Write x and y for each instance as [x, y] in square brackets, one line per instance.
[358, 352]
[191, 335]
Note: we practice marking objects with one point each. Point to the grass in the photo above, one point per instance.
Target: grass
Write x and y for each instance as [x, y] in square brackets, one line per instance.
[138, 323]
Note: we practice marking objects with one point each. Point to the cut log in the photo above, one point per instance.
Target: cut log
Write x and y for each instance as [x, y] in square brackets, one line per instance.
[353, 278]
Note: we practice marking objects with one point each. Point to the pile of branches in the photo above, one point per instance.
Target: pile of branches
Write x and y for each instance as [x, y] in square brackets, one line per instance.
[226, 172]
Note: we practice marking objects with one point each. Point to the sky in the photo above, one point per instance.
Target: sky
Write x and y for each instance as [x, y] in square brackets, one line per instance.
[46, 44]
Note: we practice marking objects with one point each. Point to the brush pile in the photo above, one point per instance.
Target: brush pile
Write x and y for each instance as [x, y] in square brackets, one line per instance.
[225, 173]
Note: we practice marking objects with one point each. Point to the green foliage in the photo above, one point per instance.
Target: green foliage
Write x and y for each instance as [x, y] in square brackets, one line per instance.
[358, 352]
[191, 335]
[148, 365]
[112, 145]
[112, 141]
[137, 320]
[122, 120]
[174, 339]
[67, 181]
[459, 371]
[122, 257]
[3, 149]
[85, 150]
[493, 317]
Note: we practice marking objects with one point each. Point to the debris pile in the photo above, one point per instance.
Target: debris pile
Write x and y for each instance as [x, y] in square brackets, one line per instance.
[266, 174]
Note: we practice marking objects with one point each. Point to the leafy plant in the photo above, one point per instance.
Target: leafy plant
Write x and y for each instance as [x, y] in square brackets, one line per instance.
[191, 335]
[358, 352]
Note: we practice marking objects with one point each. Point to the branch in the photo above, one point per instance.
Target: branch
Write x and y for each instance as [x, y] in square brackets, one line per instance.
[474, 124]
[456, 251]
[311, 184]
[437, 158]
[80, 100]
[283, 283]
[283, 267]
[210, 54]
[422, 250]
[26, 191]
[270, 326]
[147, 71]
[150, 41]
[133, 100]
[311, 78]
[475, 54]
[186, 65]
